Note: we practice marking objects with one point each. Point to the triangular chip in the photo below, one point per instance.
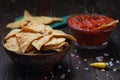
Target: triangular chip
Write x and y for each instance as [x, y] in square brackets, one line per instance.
[56, 47]
[24, 39]
[12, 45]
[26, 13]
[27, 29]
[17, 24]
[12, 33]
[60, 33]
[41, 41]
[46, 20]
[37, 27]
[54, 41]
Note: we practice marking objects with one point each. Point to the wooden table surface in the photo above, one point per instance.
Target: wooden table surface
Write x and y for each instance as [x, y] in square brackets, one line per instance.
[75, 65]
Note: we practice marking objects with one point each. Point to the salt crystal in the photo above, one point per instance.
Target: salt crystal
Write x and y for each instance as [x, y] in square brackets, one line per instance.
[45, 77]
[102, 69]
[75, 50]
[99, 58]
[115, 36]
[72, 55]
[106, 54]
[107, 75]
[52, 74]
[62, 76]
[77, 57]
[111, 59]
[97, 78]
[117, 61]
[86, 68]
[79, 62]
[110, 63]
[114, 70]
[68, 70]
[85, 59]
[77, 67]
[59, 66]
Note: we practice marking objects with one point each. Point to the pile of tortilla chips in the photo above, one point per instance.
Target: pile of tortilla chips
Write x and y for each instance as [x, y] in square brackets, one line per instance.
[31, 34]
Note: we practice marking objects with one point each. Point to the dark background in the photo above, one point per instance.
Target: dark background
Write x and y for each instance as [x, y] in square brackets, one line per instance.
[11, 9]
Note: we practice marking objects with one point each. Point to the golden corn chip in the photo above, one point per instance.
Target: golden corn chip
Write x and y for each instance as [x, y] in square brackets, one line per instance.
[56, 47]
[12, 33]
[37, 27]
[54, 41]
[24, 39]
[26, 13]
[60, 33]
[27, 29]
[12, 45]
[17, 24]
[48, 30]
[41, 41]
[47, 20]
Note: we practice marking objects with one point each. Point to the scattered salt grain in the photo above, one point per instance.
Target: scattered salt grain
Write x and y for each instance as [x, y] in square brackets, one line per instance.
[75, 50]
[85, 59]
[111, 59]
[68, 70]
[76, 57]
[106, 54]
[107, 75]
[59, 66]
[115, 36]
[97, 78]
[79, 62]
[52, 74]
[76, 67]
[86, 68]
[117, 61]
[62, 76]
[72, 55]
[102, 69]
[114, 70]
[99, 58]
[45, 77]
[110, 63]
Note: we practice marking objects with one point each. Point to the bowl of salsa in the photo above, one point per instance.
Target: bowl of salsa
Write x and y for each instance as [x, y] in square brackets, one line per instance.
[92, 31]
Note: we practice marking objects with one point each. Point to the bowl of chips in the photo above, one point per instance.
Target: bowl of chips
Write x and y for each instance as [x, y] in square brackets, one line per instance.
[36, 46]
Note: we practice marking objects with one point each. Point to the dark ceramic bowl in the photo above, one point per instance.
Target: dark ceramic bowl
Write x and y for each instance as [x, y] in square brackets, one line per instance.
[37, 62]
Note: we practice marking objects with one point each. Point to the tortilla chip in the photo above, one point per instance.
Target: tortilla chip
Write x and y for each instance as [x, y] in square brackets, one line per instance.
[46, 20]
[54, 41]
[37, 27]
[12, 45]
[27, 29]
[12, 33]
[56, 47]
[27, 14]
[17, 24]
[41, 41]
[24, 39]
[60, 33]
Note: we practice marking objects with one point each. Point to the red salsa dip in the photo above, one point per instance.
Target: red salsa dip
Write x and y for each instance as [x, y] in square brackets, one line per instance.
[85, 29]
[87, 22]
